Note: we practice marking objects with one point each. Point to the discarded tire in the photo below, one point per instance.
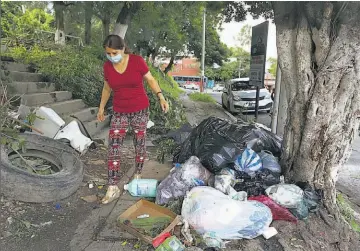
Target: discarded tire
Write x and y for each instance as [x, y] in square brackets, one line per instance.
[20, 184]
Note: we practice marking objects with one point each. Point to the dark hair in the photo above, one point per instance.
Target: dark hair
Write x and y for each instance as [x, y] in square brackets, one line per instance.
[116, 42]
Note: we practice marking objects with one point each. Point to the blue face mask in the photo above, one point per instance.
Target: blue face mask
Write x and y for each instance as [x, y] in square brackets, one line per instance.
[114, 59]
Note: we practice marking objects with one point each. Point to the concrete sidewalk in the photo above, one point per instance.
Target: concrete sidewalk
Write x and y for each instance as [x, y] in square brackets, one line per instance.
[100, 230]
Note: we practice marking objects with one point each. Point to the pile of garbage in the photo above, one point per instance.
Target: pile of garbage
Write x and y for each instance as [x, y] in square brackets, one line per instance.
[232, 185]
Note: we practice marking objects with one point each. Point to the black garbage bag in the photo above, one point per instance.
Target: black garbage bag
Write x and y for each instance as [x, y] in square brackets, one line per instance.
[181, 134]
[217, 143]
[257, 185]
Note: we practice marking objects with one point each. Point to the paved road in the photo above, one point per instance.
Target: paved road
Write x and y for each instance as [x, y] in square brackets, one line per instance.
[263, 118]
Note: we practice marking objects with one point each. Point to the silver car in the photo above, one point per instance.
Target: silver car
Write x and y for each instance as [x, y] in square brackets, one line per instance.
[239, 96]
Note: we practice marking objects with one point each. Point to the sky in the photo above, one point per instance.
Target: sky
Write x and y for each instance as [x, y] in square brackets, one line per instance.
[230, 30]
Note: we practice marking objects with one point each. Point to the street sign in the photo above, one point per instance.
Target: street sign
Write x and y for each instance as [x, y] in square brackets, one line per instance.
[258, 54]
[258, 59]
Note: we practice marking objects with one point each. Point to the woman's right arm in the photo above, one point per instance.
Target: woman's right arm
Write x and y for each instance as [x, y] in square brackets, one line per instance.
[104, 99]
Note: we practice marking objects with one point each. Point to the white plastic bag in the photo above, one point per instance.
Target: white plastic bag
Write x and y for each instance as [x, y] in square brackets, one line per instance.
[248, 162]
[286, 195]
[209, 211]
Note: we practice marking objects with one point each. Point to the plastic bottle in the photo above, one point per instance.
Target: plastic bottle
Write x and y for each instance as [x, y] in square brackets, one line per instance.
[142, 187]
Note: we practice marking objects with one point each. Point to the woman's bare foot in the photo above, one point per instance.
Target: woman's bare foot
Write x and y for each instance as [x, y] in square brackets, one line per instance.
[112, 193]
[137, 176]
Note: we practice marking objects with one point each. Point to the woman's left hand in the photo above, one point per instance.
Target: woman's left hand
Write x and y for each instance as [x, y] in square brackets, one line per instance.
[164, 105]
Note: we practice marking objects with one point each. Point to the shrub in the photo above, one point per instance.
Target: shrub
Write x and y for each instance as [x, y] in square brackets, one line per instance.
[202, 97]
[80, 71]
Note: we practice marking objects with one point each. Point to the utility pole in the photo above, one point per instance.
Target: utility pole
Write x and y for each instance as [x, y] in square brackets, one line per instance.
[239, 67]
[202, 87]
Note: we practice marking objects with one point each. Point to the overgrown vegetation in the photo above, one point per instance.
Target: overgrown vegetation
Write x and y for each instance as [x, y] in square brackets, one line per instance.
[202, 97]
[79, 70]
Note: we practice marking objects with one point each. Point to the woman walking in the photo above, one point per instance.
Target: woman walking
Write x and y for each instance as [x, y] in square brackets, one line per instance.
[124, 74]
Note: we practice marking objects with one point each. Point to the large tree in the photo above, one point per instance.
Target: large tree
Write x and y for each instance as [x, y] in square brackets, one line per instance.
[319, 55]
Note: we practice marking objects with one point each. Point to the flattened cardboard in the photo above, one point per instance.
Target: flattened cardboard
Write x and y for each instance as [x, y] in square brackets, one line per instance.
[146, 207]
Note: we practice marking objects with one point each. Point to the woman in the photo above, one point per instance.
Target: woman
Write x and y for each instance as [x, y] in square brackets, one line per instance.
[124, 74]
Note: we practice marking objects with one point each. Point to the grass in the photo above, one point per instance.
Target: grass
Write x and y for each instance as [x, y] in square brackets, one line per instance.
[347, 212]
[202, 97]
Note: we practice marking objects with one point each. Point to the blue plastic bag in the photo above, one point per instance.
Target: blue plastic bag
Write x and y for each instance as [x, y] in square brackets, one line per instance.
[248, 162]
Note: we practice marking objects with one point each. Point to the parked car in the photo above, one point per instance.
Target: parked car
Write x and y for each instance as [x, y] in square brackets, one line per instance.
[192, 87]
[239, 96]
[218, 88]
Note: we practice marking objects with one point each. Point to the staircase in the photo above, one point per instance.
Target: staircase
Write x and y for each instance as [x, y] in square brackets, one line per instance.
[37, 92]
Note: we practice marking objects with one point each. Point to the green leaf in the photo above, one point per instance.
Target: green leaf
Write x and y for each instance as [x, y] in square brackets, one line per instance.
[3, 141]
[15, 145]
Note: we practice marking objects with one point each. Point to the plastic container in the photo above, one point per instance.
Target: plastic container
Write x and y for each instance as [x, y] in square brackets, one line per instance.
[73, 133]
[142, 187]
[50, 123]
[171, 244]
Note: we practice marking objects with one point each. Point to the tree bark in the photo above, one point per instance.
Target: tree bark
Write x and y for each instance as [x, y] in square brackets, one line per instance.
[170, 65]
[106, 27]
[88, 17]
[59, 8]
[319, 55]
[124, 17]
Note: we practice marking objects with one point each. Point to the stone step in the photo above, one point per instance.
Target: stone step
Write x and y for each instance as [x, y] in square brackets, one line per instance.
[13, 66]
[67, 107]
[31, 87]
[94, 127]
[39, 99]
[85, 115]
[18, 76]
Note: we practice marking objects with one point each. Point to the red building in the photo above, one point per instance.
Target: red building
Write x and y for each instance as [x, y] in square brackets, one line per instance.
[185, 67]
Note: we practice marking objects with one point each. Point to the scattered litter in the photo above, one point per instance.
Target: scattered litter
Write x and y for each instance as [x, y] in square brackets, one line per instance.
[212, 241]
[89, 198]
[51, 122]
[248, 162]
[91, 185]
[143, 216]
[142, 187]
[286, 195]
[171, 244]
[278, 212]
[150, 124]
[160, 221]
[185, 231]
[180, 181]
[160, 239]
[210, 211]
[301, 211]
[77, 139]
[270, 232]
[270, 162]
[312, 198]
[239, 196]
[57, 206]
[258, 184]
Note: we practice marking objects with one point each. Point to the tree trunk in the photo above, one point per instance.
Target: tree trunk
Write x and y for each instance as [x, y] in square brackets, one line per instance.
[60, 25]
[319, 56]
[124, 17]
[170, 65]
[88, 17]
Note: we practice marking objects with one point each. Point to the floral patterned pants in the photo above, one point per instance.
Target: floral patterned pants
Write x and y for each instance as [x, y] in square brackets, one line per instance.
[120, 123]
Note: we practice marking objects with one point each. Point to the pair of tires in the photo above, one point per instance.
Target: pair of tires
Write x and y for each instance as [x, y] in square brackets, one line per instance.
[19, 184]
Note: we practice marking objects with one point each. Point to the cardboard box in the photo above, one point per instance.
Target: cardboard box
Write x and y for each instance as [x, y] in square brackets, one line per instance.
[144, 207]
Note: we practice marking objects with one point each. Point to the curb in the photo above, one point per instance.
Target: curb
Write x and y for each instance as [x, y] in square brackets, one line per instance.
[232, 117]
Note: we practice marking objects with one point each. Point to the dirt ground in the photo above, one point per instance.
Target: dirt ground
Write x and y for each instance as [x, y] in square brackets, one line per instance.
[50, 226]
